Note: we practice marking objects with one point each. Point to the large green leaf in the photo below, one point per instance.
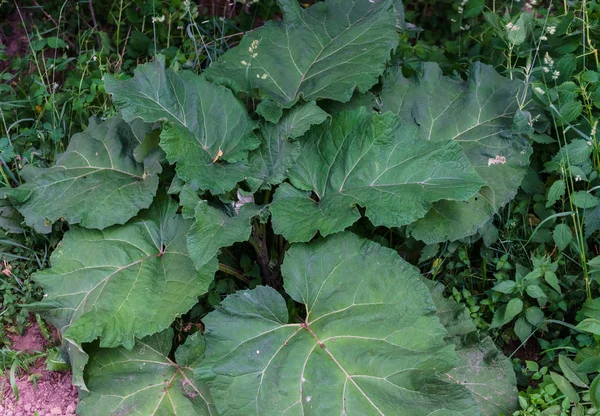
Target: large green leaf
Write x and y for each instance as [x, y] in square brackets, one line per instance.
[478, 114]
[215, 228]
[325, 51]
[370, 342]
[481, 368]
[278, 150]
[372, 160]
[207, 131]
[144, 381]
[96, 183]
[124, 282]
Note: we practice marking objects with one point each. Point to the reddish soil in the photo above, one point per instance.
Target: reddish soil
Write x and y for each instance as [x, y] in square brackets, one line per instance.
[53, 394]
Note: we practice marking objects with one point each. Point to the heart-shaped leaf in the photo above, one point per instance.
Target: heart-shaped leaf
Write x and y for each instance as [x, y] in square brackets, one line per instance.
[369, 342]
[477, 114]
[374, 161]
[124, 282]
[325, 51]
[144, 381]
[96, 183]
[207, 131]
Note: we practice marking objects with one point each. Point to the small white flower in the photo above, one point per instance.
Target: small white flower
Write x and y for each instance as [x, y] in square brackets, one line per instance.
[539, 91]
[555, 74]
[546, 69]
[551, 30]
[543, 38]
[308, 399]
[514, 28]
[577, 178]
[548, 60]
[460, 9]
[95, 58]
[158, 19]
[593, 132]
[453, 20]
[509, 26]
[263, 76]
[243, 62]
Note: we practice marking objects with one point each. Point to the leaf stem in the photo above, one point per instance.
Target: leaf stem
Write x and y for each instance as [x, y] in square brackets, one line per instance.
[233, 272]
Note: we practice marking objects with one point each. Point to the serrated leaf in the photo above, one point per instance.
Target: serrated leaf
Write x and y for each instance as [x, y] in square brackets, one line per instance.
[535, 292]
[570, 111]
[534, 315]
[518, 32]
[143, 381]
[215, 228]
[584, 200]
[207, 131]
[96, 183]
[124, 282]
[477, 114]
[506, 313]
[562, 236]
[556, 192]
[507, 287]
[370, 345]
[575, 153]
[565, 387]
[590, 325]
[278, 150]
[591, 221]
[523, 329]
[370, 160]
[569, 369]
[325, 51]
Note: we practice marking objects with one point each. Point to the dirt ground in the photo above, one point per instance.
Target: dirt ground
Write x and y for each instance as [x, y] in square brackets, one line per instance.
[53, 396]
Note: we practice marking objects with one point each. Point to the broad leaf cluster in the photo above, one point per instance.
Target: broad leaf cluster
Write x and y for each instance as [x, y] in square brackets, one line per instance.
[278, 148]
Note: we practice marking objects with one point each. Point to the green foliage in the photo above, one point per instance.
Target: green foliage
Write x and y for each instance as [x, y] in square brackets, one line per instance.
[199, 192]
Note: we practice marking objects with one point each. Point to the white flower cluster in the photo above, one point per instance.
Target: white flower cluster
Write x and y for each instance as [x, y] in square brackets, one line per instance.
[511, 27]
[158, 19]
[549, 65]
[550, 30]
[252, 48]
[461, 8]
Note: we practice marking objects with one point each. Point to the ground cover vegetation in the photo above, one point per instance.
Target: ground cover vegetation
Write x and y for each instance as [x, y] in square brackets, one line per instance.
[343, 207]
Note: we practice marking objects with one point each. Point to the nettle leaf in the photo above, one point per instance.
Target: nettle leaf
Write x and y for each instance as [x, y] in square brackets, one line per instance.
[215, 228]
[368, 345]
[207, 131]
[325, 51]
[144, 381]
[124, 282]
[96, 182]
[278, 150]
[478, 114]
[374, 161]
